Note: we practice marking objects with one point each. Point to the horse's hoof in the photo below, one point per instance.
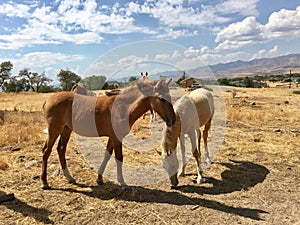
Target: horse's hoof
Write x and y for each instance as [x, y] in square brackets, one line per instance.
[125, 187]
[72, 181]
[208, 161]
[100, 182]
[174, 187]
[200, 180]
[45, 187]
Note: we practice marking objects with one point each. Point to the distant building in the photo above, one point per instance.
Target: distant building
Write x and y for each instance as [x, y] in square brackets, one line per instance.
[188, 82]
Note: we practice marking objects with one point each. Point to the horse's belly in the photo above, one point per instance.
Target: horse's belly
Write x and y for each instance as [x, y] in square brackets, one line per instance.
[83, 117]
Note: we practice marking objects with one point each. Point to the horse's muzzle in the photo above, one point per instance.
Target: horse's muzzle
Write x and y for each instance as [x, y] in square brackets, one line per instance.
[174, 180]
[170, 122]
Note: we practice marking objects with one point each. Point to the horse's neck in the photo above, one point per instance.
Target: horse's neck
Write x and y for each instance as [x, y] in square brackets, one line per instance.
[137, 109]
[133, 101]
[172, 133]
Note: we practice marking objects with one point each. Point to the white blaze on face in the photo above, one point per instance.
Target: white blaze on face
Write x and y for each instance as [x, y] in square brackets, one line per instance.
[170, 163]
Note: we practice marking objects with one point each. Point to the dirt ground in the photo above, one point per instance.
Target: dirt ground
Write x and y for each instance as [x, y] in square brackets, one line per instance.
[255, 177]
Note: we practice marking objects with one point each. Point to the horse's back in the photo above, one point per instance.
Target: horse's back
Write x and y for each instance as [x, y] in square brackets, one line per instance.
[204, 103]
[58, 102]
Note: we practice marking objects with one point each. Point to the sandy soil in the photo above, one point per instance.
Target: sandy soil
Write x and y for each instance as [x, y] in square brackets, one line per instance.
[255, 177]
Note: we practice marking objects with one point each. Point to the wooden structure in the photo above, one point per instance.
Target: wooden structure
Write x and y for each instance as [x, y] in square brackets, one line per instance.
[187, 83]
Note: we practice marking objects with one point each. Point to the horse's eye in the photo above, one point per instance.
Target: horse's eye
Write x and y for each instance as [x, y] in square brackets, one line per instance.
[162, 99]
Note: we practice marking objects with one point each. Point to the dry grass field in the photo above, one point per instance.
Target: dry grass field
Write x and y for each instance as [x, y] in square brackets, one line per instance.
[255, 178]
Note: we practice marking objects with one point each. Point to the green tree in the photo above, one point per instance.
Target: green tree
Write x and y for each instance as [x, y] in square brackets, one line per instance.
[14, 85]
[181, 78]
[94, 82]
[34, 80]
[224, 81]
[248, 82]
[132, 79]
[67, 79]
[5, 72]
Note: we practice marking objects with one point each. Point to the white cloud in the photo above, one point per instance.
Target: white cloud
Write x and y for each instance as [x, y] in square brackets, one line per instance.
[15, 10]
[176, 54]
[282, 24]
[162, 57]
[175, 14]
[239, 34]
[244, 8]
[174, 34]
[79, 22]
[191, 52]
[204, 56]
[47, 62]
[264, 53]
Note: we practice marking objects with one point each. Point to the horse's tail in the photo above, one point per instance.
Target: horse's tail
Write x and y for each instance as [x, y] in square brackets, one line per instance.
[43, 107]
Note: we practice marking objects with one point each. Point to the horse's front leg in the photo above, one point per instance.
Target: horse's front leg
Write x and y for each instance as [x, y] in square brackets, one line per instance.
[107, 155]
[119, 161]
[197, 156]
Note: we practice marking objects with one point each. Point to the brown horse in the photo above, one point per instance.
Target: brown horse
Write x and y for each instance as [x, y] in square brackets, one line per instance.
[110, 115]
[79, 88]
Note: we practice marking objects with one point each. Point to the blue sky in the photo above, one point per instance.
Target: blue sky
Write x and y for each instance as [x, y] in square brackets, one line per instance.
[104, 37]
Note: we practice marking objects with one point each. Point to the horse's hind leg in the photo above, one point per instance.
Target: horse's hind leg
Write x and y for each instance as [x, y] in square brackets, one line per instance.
[61, 149]
[197, 155]
[182, 148]
[205, 136]
[52, 136]
[119, 160]
[107, 156]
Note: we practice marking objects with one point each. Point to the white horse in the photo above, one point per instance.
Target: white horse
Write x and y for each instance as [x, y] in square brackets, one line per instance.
[192, 112]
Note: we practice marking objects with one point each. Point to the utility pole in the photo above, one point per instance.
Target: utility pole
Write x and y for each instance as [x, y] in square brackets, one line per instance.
[290, 84]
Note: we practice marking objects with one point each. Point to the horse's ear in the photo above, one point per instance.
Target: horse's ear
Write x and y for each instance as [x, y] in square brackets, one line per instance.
[158, 83]
[168, 82]
[141, 74]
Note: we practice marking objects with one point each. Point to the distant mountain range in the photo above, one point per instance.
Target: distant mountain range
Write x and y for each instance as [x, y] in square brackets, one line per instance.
[265, 66]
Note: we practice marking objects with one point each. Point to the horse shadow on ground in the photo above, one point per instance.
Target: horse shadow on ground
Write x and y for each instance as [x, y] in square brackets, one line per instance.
[241, 175]
[39, 214]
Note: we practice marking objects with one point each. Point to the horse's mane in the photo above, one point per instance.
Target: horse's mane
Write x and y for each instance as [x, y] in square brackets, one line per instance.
[130, 88]
[113, 92]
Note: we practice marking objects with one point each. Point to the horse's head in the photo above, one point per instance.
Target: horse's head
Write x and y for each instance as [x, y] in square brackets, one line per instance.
[169, 144]
[160, 100]
[79, 88]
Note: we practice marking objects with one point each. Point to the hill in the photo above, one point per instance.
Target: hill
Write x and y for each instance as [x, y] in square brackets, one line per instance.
[265, 66]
